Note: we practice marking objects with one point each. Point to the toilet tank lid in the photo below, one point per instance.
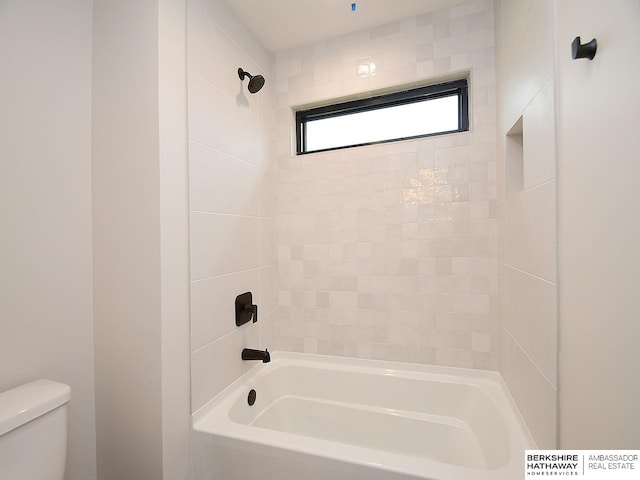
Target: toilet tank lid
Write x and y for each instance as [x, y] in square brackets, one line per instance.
[30, 401]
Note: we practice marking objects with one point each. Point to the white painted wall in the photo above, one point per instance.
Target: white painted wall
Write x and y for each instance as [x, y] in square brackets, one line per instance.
[527, 215]
[140, 239]
[599, 224]
[231, 180]
[174, 238]
[126, 246]
[46, 326]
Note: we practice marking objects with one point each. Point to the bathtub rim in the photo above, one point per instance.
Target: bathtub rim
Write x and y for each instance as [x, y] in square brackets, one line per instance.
[491, 382]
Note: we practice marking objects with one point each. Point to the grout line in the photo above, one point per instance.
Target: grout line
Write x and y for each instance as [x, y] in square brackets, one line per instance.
[195, 3]
[522, 192]
[555, 284]
[219, 339]
[235, 330]
[239, 215]
[224, 94]
[217, 150]
[256, 269]
[528, 356]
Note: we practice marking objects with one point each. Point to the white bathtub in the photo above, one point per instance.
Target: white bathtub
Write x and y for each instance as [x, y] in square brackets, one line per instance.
[318, 418]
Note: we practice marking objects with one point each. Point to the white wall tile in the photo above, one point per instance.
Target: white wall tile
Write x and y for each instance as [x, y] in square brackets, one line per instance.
[534, 395]
[531, 231]
[216, 365]
[267, 193]
[232, 194]
[539, 144]
[213, 305]
[527, 65]
[501, 168]
[223, 244]
[225, 18]
[214, 56]
[267, 290]
[366, 236]
[222, 184]
[530, 317]
[501, 213]
[267, 119]
[527, 217]
[266, 242]
[221, 122]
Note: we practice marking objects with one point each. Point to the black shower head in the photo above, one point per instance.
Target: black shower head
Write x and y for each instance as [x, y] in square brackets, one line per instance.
[256, 82]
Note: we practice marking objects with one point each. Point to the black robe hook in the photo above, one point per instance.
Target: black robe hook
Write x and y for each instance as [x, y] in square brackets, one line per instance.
[588, 50]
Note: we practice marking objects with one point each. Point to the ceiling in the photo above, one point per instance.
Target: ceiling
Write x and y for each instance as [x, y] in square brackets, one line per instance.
[284, 24]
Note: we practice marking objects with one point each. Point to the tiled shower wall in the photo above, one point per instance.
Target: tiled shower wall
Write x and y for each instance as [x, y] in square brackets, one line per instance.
[527, 212]
[231, 183]
[389, 251]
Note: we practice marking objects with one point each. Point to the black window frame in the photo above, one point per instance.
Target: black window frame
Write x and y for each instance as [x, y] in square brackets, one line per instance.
[429, 92]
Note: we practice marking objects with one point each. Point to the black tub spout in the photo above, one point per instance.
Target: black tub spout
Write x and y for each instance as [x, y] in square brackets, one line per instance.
[250, 354]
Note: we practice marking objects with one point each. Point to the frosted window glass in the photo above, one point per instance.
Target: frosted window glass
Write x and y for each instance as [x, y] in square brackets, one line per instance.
[402, 121]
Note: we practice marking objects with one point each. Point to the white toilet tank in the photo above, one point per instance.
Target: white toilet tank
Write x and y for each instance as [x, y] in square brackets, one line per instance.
[33, 431]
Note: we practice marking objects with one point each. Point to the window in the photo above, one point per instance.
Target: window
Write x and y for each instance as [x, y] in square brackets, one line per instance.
[420, 112]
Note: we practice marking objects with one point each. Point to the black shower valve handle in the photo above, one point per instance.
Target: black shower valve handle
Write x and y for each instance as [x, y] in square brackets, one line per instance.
[245, 309]
[253, 310]
[580, 50]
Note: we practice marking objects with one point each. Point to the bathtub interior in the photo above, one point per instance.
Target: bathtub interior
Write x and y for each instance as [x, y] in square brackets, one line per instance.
[436, 417]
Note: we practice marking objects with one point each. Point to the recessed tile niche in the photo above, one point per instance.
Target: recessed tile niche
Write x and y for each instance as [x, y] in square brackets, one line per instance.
[515, 163]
